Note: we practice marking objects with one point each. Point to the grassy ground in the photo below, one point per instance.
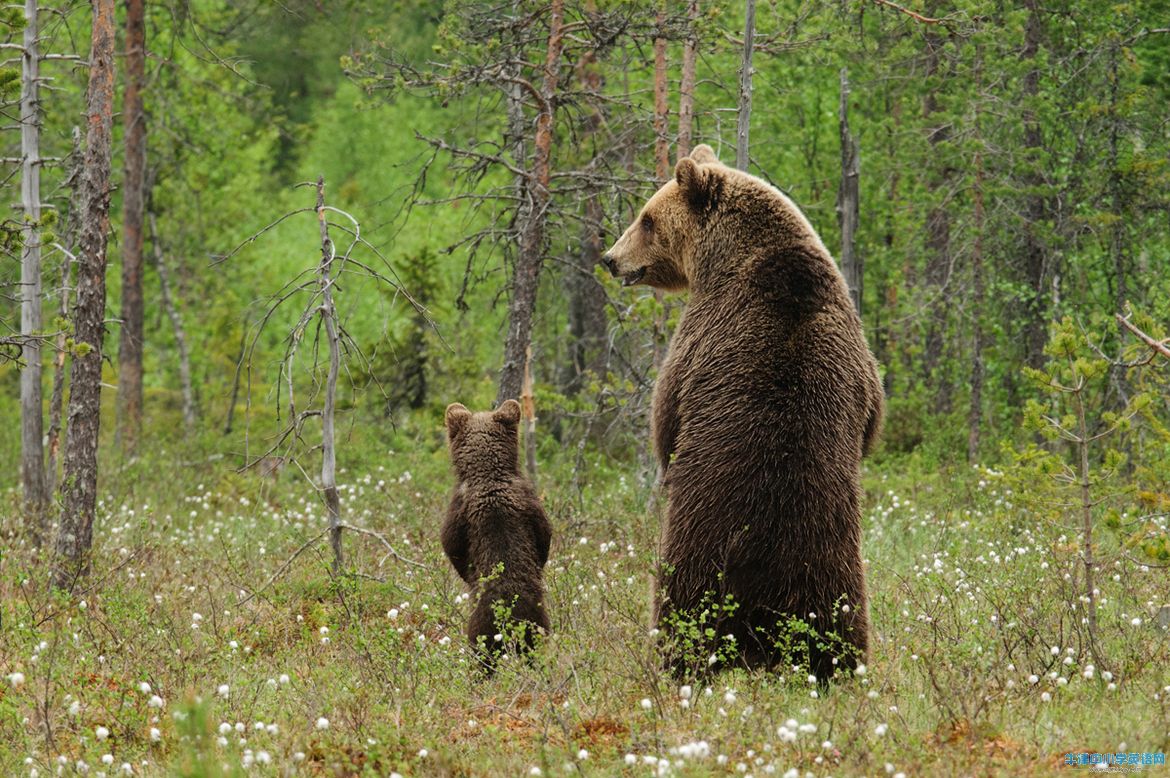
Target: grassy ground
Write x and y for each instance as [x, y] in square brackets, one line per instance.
[176, 659]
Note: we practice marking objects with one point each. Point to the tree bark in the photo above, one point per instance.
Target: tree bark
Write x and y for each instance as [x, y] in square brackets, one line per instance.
[938, 228]
[58, 398]
[328, 444]
[85, 376]
[975, 409]
[661, 166]
[849, 199]
[32, 453]
[528, 413]
[743, 125]
[1036, 264]
[169, 304]
[686, 87]
[586, 296]
[130, 343]
[661, 107]
[530, 258]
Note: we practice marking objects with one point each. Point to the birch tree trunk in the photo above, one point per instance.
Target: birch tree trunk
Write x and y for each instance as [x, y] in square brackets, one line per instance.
[849, 199]
[85, 376]
[743, 124]
[133, 205]
[32, 454]
[530, 258]
[328, 441]
[686, 87]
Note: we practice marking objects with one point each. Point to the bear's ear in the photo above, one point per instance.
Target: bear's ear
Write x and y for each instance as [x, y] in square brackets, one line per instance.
[508, 413]
[699, 187]
[456, 418]
[704, 154]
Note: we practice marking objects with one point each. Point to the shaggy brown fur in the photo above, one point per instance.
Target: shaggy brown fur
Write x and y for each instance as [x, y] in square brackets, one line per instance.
[763, 409]
[496, 534]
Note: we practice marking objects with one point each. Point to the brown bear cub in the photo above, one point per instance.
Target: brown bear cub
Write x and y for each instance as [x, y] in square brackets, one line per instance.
[766, 403]
[496, 534]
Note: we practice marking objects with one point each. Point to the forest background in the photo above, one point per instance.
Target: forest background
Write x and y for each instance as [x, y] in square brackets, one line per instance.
[992, 177]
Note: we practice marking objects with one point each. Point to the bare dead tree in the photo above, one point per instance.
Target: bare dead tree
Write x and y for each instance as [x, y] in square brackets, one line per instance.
[75, 536]
[130, 342]
[849, 198]
[744, 121]
[32, 459]
[316, 286]
[326, 277]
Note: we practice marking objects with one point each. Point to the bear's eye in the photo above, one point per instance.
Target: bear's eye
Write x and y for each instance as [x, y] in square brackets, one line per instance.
[647, 223]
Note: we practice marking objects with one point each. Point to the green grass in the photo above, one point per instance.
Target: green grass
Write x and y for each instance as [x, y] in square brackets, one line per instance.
[968, 600]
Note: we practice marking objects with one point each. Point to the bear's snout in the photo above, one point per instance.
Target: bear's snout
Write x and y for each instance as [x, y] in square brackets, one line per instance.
[610, 265]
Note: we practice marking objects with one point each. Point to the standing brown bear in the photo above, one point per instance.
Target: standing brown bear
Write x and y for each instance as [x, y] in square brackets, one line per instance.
[763, 409]
[496, 534]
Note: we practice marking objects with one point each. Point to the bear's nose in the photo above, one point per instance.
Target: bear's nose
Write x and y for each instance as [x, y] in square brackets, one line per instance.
[607, 260]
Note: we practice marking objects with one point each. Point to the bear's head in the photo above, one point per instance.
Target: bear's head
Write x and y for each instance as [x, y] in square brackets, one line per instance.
[708, 212]
[485, 445]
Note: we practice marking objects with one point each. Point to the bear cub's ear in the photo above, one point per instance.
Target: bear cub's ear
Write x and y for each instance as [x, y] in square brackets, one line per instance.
[698, 186]
[704, 155]
[457, 417]
[508, 413]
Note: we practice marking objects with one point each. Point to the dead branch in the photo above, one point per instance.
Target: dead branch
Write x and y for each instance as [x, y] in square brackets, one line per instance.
[1156, 345]
[913, 15]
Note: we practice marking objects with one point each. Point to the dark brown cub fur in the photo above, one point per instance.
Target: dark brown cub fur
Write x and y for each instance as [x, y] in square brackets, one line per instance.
[496, 534]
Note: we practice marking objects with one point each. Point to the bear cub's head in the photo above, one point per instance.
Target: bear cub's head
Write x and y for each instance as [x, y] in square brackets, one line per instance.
[484, 446]
[658, 247]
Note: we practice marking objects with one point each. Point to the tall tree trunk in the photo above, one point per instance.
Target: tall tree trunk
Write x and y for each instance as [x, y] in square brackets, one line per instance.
[171, 307]
[661, 164]
[58, 397]
[586, 296]
[849, 199]
[32, 453]
[686, 87]
[332, 338]
[130, 342]
[1036, 265]
[975, 410]
[938, 227]
[85, 376]
[661, 107]
[68, 247]
[526, 278]
[744, 121]
[1117, 232]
